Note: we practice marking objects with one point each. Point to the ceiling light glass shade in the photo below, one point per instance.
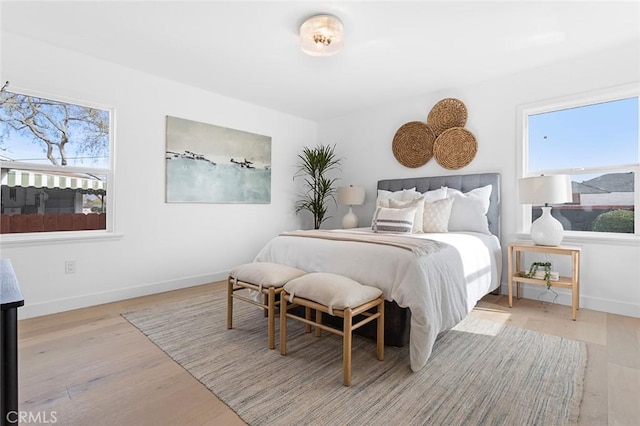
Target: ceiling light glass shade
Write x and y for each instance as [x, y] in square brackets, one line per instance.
[555, 189]
[350, 196]
[321, 35]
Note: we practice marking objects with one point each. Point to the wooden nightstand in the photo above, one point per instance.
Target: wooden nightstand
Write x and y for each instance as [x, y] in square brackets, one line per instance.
[572, 282]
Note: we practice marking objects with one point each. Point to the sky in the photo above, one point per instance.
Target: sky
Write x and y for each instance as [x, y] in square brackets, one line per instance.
[604, 134]
[34, 152]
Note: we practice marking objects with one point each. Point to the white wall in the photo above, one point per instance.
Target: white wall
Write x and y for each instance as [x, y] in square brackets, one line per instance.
[185, 244]
[610, 278]
[164, 246]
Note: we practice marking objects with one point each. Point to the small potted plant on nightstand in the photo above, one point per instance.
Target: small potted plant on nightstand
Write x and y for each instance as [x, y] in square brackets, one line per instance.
[534, 269]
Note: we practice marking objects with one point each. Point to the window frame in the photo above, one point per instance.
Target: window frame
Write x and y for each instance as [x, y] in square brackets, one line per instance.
[69, 236]
[573, 101]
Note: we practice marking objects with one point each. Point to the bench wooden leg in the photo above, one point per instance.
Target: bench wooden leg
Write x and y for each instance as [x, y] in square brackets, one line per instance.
[265, 301]
[283, 324]
[346, 347]
[307, 316]
[271, 326]
[347, 315]
[318, 321]
[380, 330]
[229, 303]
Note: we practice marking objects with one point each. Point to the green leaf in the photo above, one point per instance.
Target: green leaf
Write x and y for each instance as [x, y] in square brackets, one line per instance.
[313, 166]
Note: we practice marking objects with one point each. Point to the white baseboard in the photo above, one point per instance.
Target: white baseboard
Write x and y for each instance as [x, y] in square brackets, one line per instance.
[67, 304]
[594, 303]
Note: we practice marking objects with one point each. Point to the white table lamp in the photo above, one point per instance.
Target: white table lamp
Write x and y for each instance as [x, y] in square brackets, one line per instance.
[350, 196]
[552, 189]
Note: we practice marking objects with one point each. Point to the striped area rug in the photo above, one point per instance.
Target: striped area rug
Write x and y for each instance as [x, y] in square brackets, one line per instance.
[479, 373]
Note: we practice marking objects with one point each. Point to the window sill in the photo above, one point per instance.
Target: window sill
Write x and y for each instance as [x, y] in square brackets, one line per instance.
[36, 238]
[600, 238]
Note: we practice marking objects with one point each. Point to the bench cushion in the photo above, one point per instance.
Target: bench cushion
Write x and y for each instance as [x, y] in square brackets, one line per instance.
[265, 274]
[331, 290]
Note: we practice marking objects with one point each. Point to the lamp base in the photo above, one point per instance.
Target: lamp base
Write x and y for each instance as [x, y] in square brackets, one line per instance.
[350, 220]
[546, 230]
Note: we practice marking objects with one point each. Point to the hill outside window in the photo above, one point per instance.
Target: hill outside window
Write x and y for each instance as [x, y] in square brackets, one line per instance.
[56, 168]
[594, 139]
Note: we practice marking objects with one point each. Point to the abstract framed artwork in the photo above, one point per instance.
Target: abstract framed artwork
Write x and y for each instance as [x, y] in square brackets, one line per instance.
[213, 164]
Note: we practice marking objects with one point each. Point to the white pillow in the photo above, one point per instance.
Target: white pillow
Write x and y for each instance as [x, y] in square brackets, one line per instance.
[403, 194]
[436, 194]
[469, 210]
[393, 221]
[436, 215]
[410, 194]
[418, 203]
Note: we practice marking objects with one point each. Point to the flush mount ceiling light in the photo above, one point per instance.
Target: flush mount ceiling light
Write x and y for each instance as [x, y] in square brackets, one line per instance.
[321, 35]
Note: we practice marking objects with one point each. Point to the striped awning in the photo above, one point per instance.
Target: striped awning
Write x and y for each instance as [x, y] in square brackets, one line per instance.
[26, 179]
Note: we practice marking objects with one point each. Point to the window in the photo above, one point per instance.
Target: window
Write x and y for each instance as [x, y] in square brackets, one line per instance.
[55, 165]
[594, 139]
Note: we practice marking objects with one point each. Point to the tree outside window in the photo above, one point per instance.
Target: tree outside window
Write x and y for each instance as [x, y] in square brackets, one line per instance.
[55, 164]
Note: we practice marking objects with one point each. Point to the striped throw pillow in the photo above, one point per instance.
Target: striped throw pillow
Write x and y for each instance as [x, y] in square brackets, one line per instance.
[418, 203]
[393, 221]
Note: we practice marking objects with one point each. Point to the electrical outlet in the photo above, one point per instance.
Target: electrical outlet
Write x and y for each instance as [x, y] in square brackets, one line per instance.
[70, 267]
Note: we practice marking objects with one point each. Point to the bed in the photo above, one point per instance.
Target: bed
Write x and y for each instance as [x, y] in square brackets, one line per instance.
[431, 280]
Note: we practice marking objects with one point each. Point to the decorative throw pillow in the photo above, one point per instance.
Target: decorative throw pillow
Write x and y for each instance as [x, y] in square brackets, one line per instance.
[384, 202]
[436, 215]
[469, 211]
[393, 221]
[418, 203]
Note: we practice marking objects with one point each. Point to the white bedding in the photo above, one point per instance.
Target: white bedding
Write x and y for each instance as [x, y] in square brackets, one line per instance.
[440, 289]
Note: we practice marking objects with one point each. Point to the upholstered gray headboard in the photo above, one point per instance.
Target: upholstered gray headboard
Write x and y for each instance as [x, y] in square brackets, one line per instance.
[463, 183]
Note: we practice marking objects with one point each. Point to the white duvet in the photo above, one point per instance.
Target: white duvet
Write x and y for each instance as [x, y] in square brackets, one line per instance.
[440, 289]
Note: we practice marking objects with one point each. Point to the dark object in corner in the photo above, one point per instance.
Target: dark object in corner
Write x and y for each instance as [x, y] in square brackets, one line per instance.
[10, 300]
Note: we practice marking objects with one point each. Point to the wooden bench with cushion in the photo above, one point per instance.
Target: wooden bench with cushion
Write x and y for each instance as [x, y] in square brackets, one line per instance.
[267, 279]
[338, 296]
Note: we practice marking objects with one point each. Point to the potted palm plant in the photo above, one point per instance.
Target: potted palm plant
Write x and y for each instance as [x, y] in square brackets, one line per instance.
[314, 164]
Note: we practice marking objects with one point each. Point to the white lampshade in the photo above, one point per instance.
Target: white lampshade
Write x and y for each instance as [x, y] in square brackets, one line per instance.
[321, 35]
[350, 196]
[553, 189]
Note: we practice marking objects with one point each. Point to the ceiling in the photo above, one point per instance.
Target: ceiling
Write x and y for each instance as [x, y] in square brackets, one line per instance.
[393, 50]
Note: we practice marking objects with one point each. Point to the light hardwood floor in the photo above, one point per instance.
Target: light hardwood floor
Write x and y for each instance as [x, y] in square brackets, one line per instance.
[91, 367]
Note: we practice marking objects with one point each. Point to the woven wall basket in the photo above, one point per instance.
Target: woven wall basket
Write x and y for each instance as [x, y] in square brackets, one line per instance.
[413, 144]
[455, 148]
[447, 113]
